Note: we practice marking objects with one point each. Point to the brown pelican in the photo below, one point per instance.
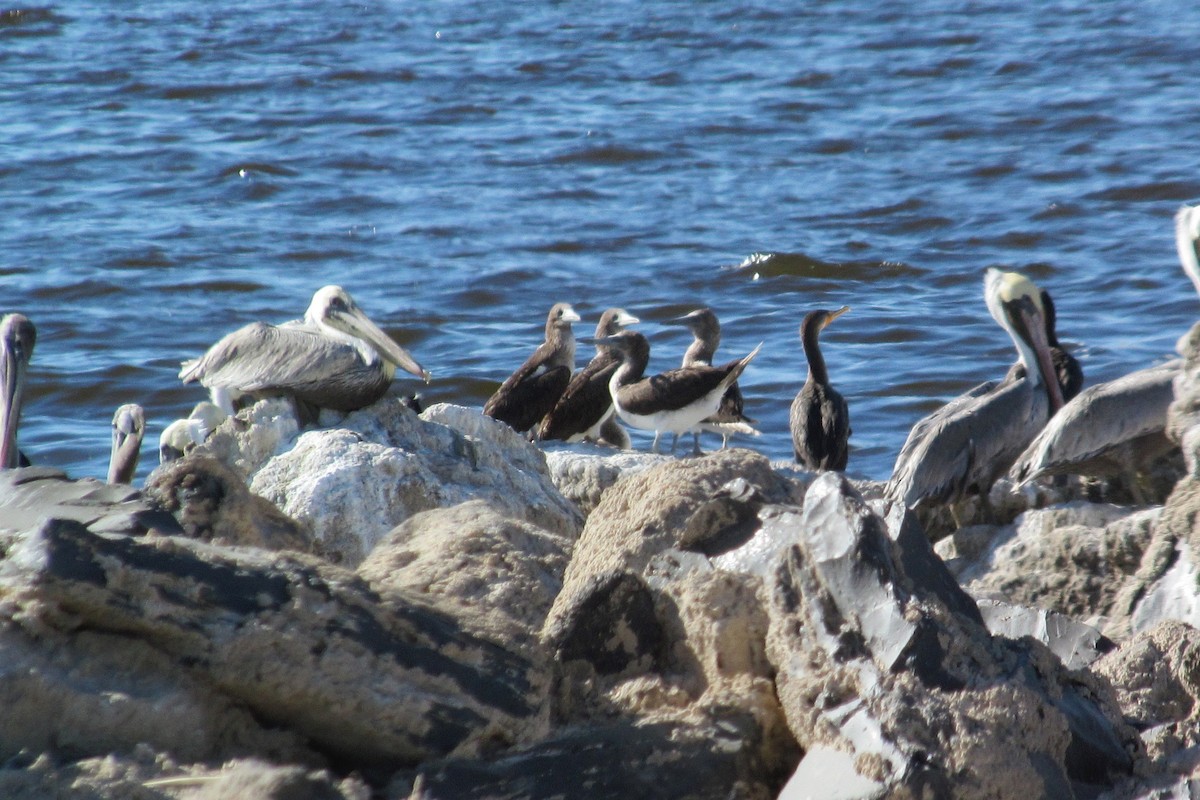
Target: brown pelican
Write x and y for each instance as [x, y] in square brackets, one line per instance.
[1066, 367]
[585, 410]
[1187, 241]
[182, 435]
[706, 338]
[965, 445]
[336, 357]
[531, 392]
[1113, 428]
[17, 338]
[128, 427]
[820, 418]
[673, 401]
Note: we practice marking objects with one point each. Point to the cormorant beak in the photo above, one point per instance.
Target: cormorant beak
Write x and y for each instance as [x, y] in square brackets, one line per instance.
[834, 315]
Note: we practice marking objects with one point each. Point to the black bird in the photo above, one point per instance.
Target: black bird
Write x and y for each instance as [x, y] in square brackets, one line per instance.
[820, 418]
[672, 402]
[17, 338]
[1066, 367]
[585, 410]
[531, 392]
[706, 338]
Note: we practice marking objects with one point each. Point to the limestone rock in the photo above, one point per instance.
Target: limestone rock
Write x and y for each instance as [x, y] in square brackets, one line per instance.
[922, 697]
[299, 643]
[32, 495]
[583, 474]
[495, 574]
[351, 484]
[1183, 416]
[1156, 675]
[212, 503]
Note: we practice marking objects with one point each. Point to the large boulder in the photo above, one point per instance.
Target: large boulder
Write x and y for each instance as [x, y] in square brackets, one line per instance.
[877, 661]
[584, 472]
[352, 483]
[33, 495]
[299, 644]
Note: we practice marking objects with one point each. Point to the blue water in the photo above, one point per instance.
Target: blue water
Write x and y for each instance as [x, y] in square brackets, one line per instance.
[171, 172]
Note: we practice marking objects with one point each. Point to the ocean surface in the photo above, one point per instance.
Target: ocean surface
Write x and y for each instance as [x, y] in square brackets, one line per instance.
[170, 171]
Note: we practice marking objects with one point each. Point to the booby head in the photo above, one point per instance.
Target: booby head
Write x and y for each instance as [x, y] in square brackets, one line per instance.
[560, 318]
[17, 338]
[633, 349]
[1015, 302]
[1187, 241]
[128, 428]
[334, 311]
[613, 321]
[702, 323]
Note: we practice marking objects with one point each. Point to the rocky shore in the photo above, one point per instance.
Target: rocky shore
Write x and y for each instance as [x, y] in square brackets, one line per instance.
[395, 605]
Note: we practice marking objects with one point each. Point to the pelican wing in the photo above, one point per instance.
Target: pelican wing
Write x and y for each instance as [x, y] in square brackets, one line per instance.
[968, 442]
[264, 358]
[1099, 420]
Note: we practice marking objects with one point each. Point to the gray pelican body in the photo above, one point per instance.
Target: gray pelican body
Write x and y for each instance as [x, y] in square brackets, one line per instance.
[17, 338]
[820, 418]
[706, 338]
[1109, 429]
[1066, 366]
[128, 428]
[531, 392]
[671, 402]
[965, 445]
[585, 410]
[336, 357]
[182, 435]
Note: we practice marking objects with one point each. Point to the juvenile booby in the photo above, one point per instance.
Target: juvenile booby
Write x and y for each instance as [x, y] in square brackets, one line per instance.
[671, 402]
[1113, 428]
[182, 435]
[820, 418]
[1066, 366]
[965, 445]
[531, 392]
[706, 338]
[585, 409]
[335, 357]
[17, 338]
[128, 428]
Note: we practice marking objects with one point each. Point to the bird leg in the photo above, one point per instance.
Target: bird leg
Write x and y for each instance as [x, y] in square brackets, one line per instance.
[654, 447]
[696, 443]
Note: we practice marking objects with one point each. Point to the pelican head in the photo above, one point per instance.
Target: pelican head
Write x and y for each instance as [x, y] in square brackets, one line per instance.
[1015, 302]
[333, 310]
[128, 427]
[17, 337]
[1187, 239]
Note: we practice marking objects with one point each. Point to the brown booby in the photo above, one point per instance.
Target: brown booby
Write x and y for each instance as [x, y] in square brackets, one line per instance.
[335, 357]
[965, 445]
[820, 418]
[17, 338]
[128, 428]
[706, 338]
[531, 392]
[585, 409]
[670, 402]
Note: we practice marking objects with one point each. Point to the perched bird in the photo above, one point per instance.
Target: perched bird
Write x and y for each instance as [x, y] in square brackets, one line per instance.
[1113, 428]
[965, 445]
[671, 402]
[178, 438]
[128, 428]
[706, 338]
[820, 418]
[585, 409]
[531, 392]
[1187, 241]
[1066, 367]
[17, 338]
[335, 357]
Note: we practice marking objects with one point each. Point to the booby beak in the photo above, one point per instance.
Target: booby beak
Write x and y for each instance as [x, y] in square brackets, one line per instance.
[569, 315]
[354, 322]
[625, 318]
[1015, 303]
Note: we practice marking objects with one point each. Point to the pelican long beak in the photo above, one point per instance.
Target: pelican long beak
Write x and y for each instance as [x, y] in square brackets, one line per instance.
[1015, 302]
[129, 425]
[12, 365]
[357, 324]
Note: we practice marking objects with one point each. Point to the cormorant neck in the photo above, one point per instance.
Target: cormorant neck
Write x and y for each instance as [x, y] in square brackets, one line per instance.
[812, 351]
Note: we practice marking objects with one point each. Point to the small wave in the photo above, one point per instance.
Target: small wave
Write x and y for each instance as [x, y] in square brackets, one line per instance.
[1158, 191]
[799, 264]
[30, 22]
[261, 167]
[208, 91]
[607, 154]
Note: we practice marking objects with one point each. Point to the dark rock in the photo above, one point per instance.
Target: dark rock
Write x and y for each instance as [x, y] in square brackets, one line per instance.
[611, 625]
[32, 495]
